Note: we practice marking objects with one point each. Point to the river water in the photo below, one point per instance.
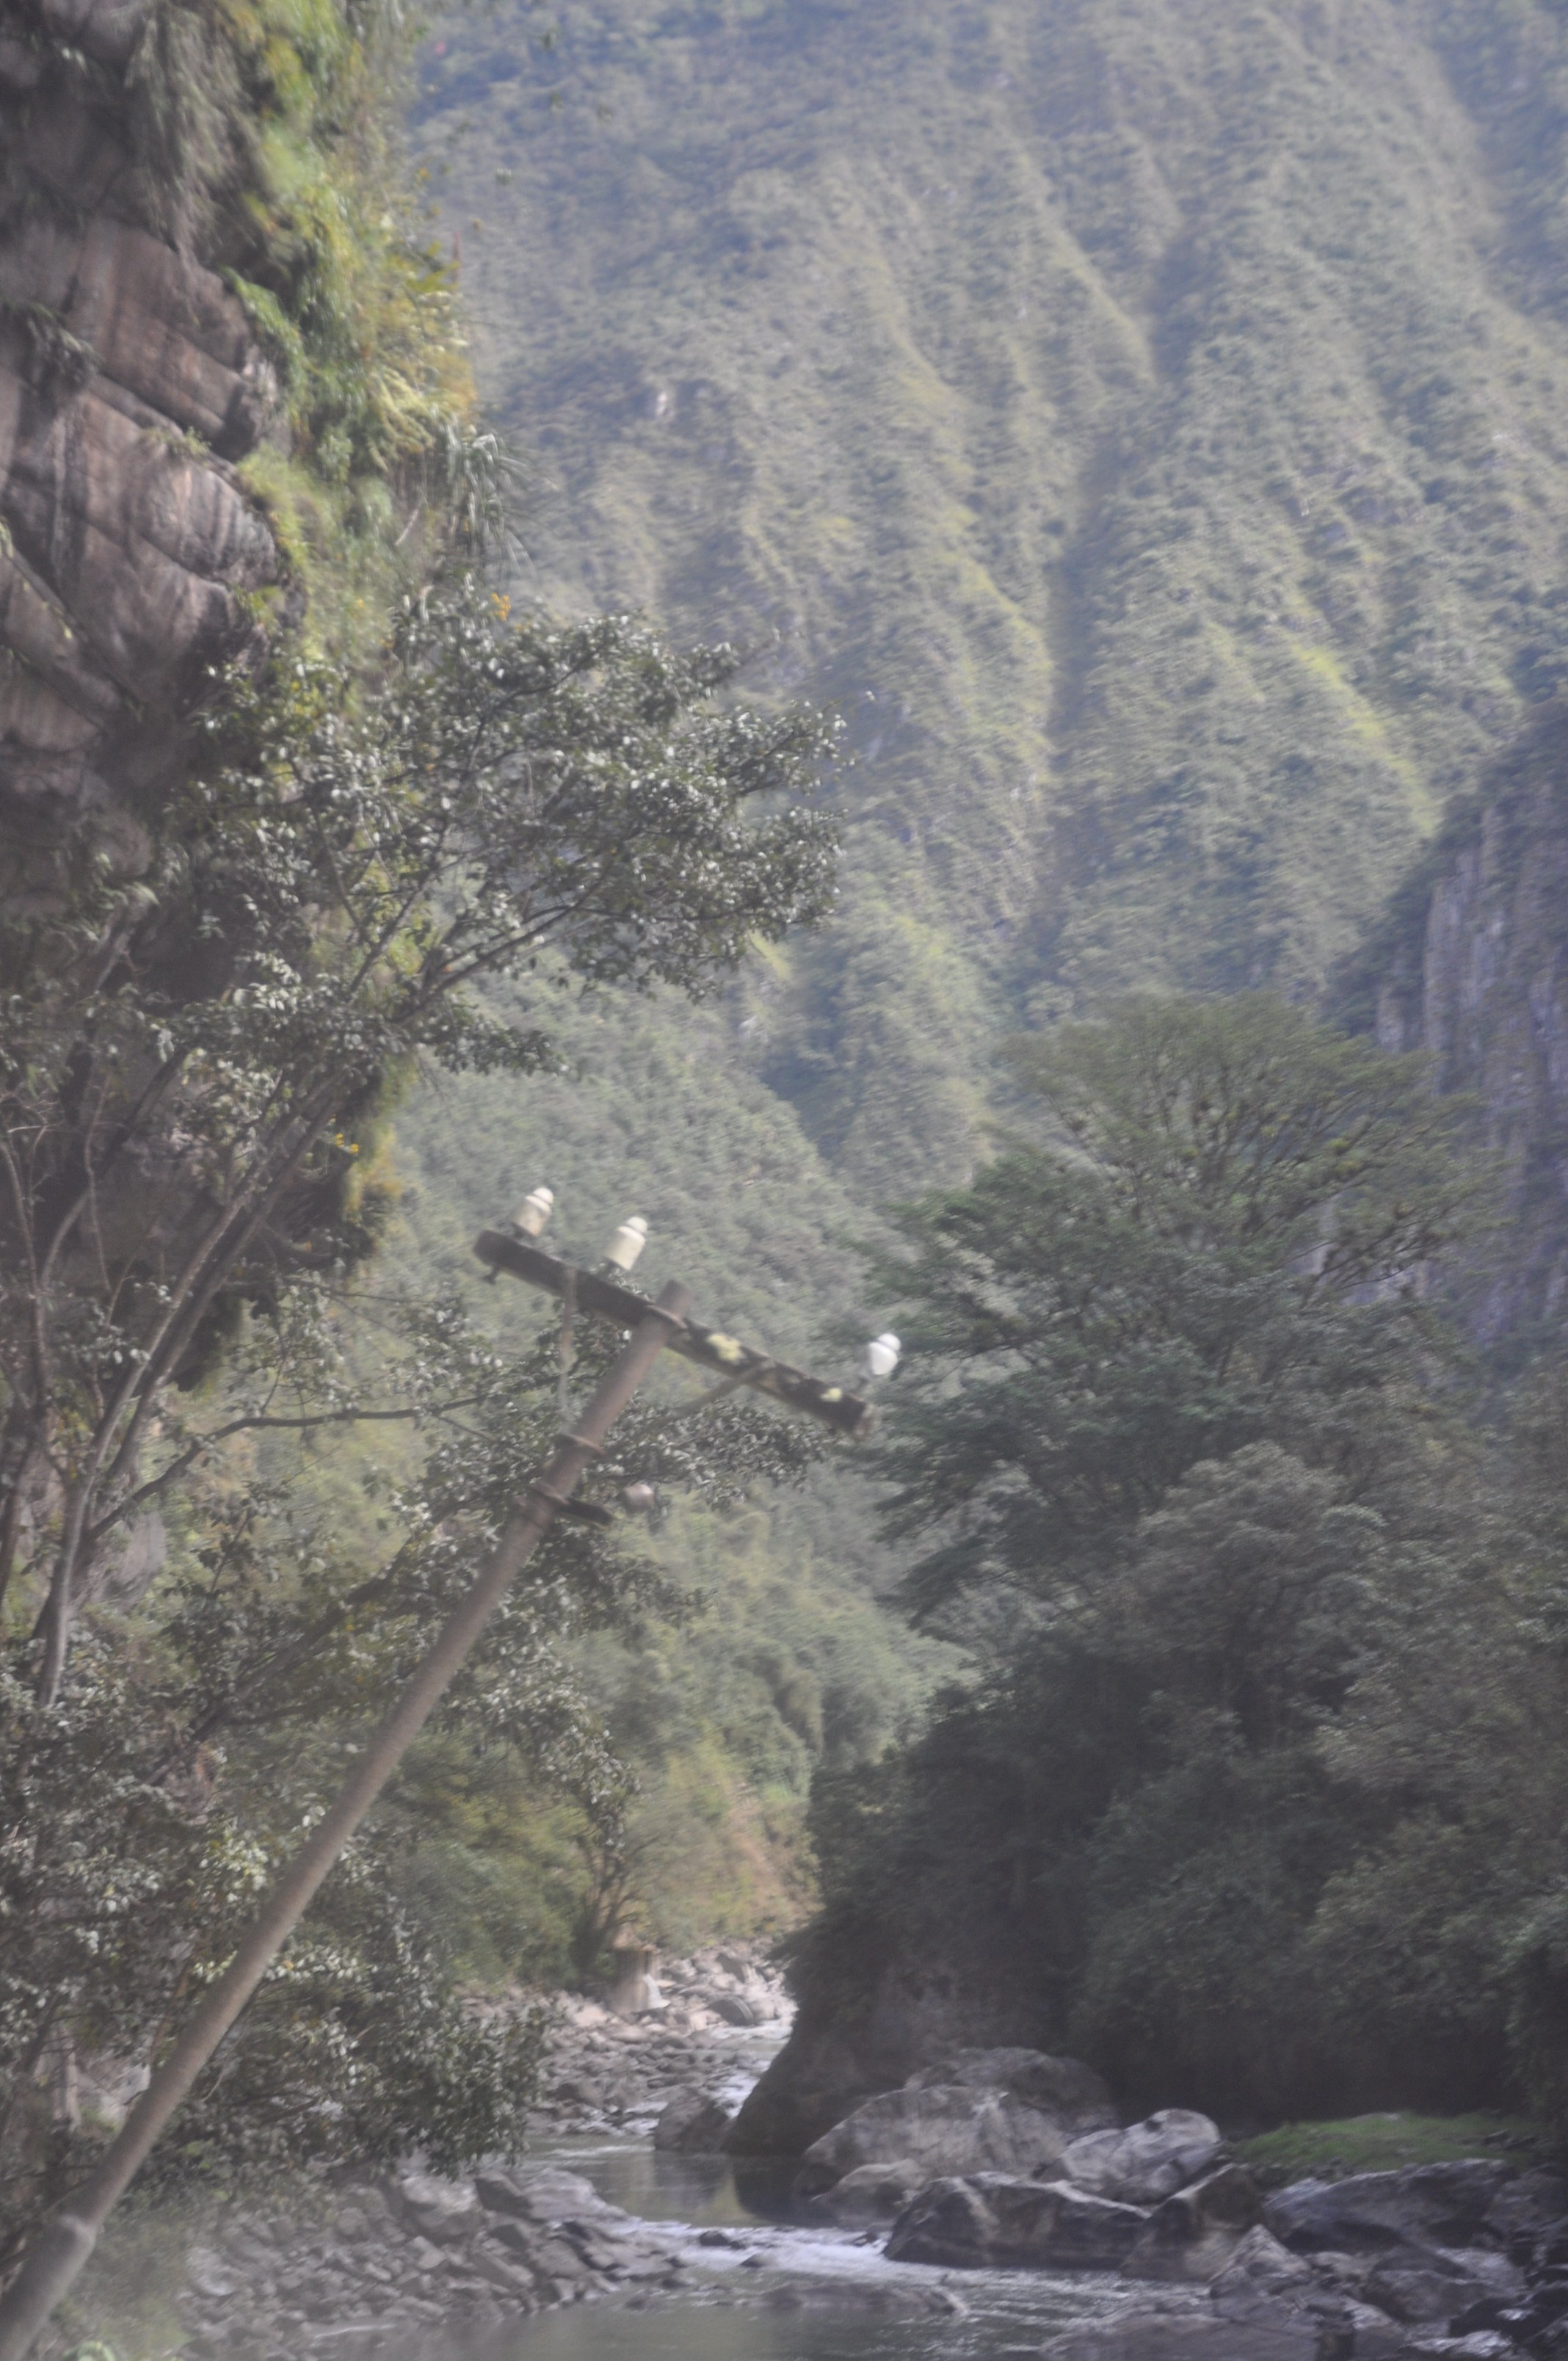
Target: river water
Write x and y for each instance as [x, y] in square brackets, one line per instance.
[809, 2294]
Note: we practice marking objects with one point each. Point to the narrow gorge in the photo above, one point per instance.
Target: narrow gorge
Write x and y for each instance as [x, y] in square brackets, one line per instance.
[917, 658]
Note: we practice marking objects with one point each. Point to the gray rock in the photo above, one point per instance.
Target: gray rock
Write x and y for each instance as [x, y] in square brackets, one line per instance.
[734, 2008]
[549, 2195]
[253, 2225]
[1194, 2234]
[992, 2219]
[1263, 2280]
[1499, 2275]
[514, 2279]
[692, 2124]
[519, 2238]
[873, 2193]
[948, 2130]
[1260, 2267]
[812, 2084]
[1484, 2344]
[1364, 2333]
[560, 2260]
[209, 2275]
[1422, 2285]
[921, 2011]
[1063, 2087]
[1418, 2298]
[438, 2209]
[1425, 2204]
[1536, 2201]
[1148, 2161]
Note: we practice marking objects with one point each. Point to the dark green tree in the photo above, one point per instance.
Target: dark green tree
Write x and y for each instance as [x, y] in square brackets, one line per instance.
[145, 1807]
[183, 1213]
[506, 798]
[1183, 1451]
[1220, 1239]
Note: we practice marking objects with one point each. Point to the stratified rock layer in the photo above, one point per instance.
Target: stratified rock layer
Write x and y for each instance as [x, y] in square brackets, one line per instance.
[1475, 971]
[130, 381]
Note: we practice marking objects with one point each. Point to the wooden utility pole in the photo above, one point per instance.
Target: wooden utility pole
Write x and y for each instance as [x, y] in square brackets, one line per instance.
[66, 2241]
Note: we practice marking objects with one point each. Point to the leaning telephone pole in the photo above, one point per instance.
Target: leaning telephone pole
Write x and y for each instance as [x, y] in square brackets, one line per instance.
[66, 2241]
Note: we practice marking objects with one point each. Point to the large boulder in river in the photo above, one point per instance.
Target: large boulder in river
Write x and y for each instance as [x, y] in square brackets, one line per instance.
[1062, 2087]
[1534, 2201]
[1265, 2305]
[1429, 2289]
[1195, 2232]
[1147, 2162]
[1261, 2271]
[990, 2221]
[692, 2124]
[1423, 2205]
[918, 2012]
[1264, 2282]
[542, 2194]
[1186, 2328]
[947, 2129]
[871, 2196]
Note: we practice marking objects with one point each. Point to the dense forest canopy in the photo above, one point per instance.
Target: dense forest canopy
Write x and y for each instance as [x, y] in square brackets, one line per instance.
[1221, 1258]
[1266, 1633]
[1145, 427]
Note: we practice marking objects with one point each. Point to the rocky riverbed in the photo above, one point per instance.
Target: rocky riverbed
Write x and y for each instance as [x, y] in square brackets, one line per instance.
[720, 2016]
[405, 2261]
[993, 2191]
[1011, 2159]
[412, 2261]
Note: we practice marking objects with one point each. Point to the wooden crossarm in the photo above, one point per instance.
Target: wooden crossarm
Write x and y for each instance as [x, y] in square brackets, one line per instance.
[622, 1308]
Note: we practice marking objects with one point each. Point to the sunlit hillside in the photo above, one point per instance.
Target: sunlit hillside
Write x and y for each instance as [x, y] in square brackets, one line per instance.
[1143, 421]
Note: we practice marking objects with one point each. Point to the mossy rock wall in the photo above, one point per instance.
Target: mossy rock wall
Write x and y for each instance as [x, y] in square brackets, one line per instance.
[225, 364]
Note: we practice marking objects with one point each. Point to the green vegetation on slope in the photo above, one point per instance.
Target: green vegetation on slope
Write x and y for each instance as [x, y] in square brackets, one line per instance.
[1146, 422]
[265, 137]
[515, 802]
[1380, 2142]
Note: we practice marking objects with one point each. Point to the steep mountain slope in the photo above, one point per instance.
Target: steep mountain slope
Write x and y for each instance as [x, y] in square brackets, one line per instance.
[1143, 422]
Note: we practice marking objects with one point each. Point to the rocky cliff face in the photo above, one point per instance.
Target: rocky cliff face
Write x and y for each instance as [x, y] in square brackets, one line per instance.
[130, 383]
[1474, 968]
